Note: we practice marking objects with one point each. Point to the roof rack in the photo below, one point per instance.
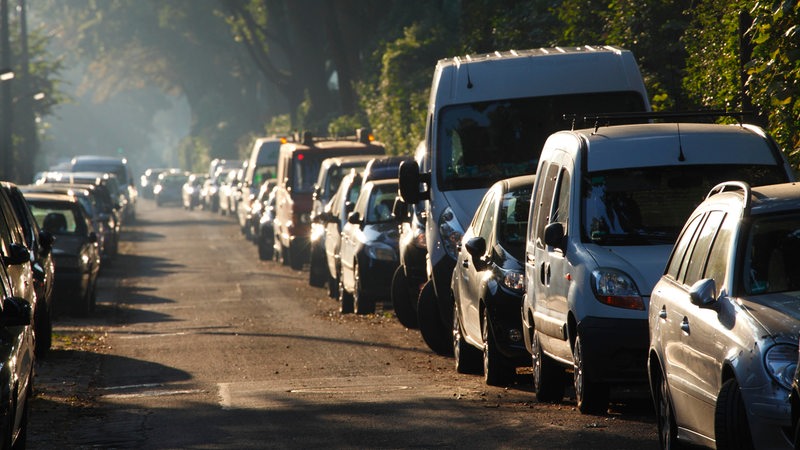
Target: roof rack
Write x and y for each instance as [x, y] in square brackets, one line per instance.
[363, 135]
[604, 119]
[733, 186]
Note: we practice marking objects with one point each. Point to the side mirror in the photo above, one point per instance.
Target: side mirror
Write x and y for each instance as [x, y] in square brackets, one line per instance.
[703, 293]
[93, 237]
[476, 247]
[18, 254]
[410, 179]
[46, 241]
[17, 312]
[554, 236]
[354, 218]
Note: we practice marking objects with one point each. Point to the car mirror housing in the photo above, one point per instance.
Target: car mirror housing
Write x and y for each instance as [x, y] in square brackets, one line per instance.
[16, 312]
[18, 254]
[554, 235]
[704, 292]
[354, 218]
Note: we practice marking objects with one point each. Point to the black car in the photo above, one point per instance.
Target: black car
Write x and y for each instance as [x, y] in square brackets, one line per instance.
[369, 247]
[488, 284]
[40, 246]
[265, 235]
[334, 218]
[169, 188]
[75, 251]
[17, 357]
[411, 274]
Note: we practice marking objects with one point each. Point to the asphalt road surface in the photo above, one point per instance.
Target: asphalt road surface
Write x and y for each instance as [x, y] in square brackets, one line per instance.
[196, 343]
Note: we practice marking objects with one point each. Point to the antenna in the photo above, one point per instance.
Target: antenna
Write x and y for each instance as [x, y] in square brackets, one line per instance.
[681, 156]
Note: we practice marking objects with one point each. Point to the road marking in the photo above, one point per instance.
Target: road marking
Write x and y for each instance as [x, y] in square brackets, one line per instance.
[153, 393]
[147, 335]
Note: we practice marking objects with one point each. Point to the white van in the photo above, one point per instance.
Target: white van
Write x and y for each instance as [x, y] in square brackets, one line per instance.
[262, 165]
[488, 117]
[608, 205]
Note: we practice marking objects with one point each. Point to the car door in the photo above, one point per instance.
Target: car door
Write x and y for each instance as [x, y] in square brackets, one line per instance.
[471, 268]
[350, 239]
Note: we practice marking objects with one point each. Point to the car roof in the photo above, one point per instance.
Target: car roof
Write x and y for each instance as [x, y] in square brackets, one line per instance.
[662, 144]
[98, 158]
[50, 197]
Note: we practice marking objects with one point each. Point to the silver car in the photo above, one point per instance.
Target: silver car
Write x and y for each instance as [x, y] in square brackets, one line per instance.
[724, 320]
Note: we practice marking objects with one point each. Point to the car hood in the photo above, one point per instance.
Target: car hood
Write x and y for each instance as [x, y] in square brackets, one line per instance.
[385, 232]
[778, 314]
[464, 203]
[645, 263]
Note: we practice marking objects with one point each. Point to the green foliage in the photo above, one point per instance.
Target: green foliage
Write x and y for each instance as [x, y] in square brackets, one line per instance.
[194, 154]
[774, 70]
[346, 125]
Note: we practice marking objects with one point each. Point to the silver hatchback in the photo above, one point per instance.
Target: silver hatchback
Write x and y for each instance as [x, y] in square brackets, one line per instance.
[724, 320]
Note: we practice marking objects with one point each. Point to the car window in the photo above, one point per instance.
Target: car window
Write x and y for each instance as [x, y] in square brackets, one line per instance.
[772, 261]
[697, 261]
[477, 220]
[381, 203]
[544, 201]
[679, 252]
[513, 216]
[58, 218]
[718, 258]
[561, 200]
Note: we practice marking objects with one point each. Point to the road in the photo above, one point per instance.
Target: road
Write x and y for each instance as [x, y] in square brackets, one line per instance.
[197, 344]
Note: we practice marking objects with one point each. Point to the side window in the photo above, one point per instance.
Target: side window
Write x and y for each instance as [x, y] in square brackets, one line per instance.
[561, 212]
[477, 220]
[719, 256]
[361, 203]
[697, 262]
[487, 225]
[679, 252]
[544, 202]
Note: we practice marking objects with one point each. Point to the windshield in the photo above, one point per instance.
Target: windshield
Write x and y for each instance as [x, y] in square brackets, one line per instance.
[511, 229]
[648, 206]
[772, 262]
[115, 168]
[305, 169]
[381, 202]
[480, 143]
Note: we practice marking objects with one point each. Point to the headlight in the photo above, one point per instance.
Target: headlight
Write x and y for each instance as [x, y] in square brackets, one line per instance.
[616, 289]
[157, 189]
[381, 252]
[514, 280]
[450, 231]
[419, 236]
[781, 363]
[317, 231]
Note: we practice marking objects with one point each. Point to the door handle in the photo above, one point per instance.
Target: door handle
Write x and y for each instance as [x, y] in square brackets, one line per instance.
[465, 263]
[663, 313]
[685, 325]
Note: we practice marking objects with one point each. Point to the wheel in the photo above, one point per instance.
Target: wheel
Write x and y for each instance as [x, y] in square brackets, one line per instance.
[295, 258]
[731, 429]
[317, 270]
[333, 287]
[665, 419]
[497, 369]
[592, 397]
[467, 357]
[265, 249]
[548, 376]
[402, 298]
[345, 299]
[362, 304]
[21, 442]
[43, 329]
[436, 334]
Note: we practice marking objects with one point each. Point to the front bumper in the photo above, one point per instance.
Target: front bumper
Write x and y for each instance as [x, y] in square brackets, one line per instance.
[614, 350]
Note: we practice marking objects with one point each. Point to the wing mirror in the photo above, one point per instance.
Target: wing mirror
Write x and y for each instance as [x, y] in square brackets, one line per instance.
[16, 312]
[18, 254]
[554, 236]
[354, 218]
[703, 293]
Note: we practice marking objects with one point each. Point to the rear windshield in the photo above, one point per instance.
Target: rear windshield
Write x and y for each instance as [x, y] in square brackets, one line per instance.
[115, 168]
[305, 169]
[480, 143]
[649, 206]
[58, 218]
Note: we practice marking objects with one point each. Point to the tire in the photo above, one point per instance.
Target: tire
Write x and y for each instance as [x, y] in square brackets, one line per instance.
[549, 378]
[435, 334]
[295, 259]
[362, 304]
[402, 298]
[345, 299]
[665, 417]
[731, 429]
[22, 436]
[43, 327]
[467, 357]
[333, 287]
[317, 270]
[592, 397]
[497, 369]
[266, 250]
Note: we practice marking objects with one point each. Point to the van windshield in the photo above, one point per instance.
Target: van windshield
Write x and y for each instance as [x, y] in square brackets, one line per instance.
[649, 206]
[305, 169]
[480, 143]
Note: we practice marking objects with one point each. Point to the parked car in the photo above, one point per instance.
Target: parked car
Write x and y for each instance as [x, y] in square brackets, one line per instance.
[107, 181]
[169, 188]
[118, 167]
[209, 194]
[479, 132]
[298, 170]
[258, 168]
[488, 283]
[724, 321]
[794, 401]
[266, 234]
[227, 186]
[17, 357]
[257, 209]
[190, 191]
[75, 250]
[40, 246]
[605, 216]
[148, 179]
[335, 217]
[331, 172]
[368, 253]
